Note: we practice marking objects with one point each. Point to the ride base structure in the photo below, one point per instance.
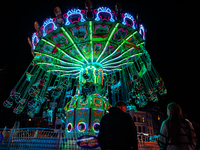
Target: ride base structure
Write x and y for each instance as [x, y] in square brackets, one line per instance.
[86, 60]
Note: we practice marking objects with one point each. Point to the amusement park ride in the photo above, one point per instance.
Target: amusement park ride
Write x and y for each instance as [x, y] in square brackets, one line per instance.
[86, 60]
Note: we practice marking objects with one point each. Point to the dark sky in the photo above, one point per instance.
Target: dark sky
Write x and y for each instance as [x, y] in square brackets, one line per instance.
[172, 42]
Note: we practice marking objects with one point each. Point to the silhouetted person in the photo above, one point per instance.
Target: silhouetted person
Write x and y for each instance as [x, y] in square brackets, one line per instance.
[117, 130]
[176, 132]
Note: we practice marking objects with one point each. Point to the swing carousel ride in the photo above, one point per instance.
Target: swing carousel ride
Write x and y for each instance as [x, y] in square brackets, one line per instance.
[86, 60]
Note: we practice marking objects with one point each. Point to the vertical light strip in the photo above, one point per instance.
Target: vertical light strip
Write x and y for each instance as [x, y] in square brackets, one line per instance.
[62, 51]
[113, 31]
[119, 46]
[74, 44]
[91, 44]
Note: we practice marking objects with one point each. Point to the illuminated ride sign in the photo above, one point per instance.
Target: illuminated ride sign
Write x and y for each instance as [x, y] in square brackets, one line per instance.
[88, 142]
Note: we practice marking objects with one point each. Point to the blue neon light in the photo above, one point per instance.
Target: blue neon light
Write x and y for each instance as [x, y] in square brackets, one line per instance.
[46, 24]
[116, 85]
[129, 16]
[69, 93]
[35, 40]
[74, 12]
[142, 31]
[105, 10]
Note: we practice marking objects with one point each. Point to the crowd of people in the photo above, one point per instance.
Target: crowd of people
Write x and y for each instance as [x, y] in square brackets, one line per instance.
[118, 131]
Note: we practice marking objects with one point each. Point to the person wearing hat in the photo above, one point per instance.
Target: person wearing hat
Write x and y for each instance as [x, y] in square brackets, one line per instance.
[117, 130]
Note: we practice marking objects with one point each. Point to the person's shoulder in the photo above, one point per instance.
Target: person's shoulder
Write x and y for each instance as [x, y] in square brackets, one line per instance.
[188, 121]
[190, 124]
[164, 127]
[164, 123]
[105, 116]
[166, 120]
[127, 115]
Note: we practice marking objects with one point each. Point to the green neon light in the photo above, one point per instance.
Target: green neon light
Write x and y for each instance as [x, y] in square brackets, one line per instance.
[57, 65]
[110, 67]
[119, 46]
[58, 59]
[74, 44]
[51, 57]
[91, 45]
[62, 51]
[111, 70]
[70, 74]
[48, 42]
[63, 70]
[113, 31]
[117, 62]
[119, 55]
[140, 43]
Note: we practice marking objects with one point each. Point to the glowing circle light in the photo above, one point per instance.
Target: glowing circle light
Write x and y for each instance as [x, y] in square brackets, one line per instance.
[96, 127]
[69, 127]
[81, 126]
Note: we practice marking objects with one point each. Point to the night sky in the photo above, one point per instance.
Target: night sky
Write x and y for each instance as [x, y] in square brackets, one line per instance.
[172, 42]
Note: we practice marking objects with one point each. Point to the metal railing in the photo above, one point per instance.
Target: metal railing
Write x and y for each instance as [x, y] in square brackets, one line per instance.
[148, 142]
[5, 135]
[54, 139]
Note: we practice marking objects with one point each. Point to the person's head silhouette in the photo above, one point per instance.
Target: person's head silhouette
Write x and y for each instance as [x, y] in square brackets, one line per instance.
[121, 105]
